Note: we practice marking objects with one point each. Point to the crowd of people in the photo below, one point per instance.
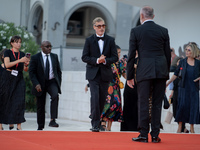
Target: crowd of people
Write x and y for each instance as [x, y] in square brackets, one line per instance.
[147, 76]
[146, 70]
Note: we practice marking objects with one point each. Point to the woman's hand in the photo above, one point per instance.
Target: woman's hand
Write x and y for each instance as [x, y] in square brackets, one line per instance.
[38, 88]
[130, 83]
[24, 59]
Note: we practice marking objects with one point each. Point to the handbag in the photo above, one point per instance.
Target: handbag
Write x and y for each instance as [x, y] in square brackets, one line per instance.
[169, 116]
[166, 102]
[121, 84]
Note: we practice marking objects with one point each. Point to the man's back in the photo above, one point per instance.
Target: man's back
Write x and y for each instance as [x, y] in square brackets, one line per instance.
[153, 50]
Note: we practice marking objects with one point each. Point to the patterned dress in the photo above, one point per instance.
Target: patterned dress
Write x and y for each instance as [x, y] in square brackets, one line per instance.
[112, 108]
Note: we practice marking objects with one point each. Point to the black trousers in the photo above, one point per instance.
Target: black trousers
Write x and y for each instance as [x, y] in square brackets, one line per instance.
[51, 87]
[159, 86]
[99, 92]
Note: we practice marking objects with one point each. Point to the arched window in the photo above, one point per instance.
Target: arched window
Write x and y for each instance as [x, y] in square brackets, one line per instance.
[80, 25]
[37, 24]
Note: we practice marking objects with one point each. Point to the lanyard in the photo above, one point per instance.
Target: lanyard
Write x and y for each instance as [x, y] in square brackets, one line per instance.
[15, 57]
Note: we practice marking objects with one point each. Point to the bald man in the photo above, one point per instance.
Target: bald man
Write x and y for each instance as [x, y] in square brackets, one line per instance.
[45, 74]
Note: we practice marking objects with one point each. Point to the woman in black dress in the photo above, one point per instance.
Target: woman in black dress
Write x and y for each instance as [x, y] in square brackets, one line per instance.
[1, 71]
[130, 108]
[12, 85]
[188, 91]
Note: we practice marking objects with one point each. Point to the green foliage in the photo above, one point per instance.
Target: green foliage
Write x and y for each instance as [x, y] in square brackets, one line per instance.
[7, 30]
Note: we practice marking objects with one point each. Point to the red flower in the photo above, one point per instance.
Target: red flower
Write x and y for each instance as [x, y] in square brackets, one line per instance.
[181, 68]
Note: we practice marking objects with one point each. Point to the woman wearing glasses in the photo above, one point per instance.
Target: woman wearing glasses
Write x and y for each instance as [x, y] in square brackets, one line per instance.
[188, 93]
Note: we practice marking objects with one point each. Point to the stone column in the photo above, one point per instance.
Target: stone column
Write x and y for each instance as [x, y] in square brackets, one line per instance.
[53, 22]
[25, 7]
[123, 24]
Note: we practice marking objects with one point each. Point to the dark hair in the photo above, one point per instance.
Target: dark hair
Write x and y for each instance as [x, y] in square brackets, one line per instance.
[15, 38]
[117, 47]
[1, 55]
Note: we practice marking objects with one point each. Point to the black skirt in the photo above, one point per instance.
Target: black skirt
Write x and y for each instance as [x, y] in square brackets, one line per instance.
[12, 98]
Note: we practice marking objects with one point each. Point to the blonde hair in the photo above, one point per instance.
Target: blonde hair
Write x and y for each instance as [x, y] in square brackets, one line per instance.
[194, 49]
[97, 19]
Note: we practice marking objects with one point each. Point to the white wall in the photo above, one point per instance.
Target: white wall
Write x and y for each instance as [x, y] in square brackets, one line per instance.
[183, 23]
[74, 103]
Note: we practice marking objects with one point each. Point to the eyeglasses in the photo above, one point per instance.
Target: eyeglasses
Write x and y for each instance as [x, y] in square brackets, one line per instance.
[48, 46]
[99, 26]
[187, 49]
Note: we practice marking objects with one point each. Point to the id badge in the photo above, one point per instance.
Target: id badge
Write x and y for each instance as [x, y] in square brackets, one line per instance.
[14, 72]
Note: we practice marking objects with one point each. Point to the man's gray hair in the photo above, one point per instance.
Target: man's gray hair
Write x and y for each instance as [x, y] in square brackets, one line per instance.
[97, 19]
[148, 12]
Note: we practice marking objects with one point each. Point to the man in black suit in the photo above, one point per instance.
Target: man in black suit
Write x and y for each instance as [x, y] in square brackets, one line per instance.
[152, 43]
[45, 74]
[99, 53]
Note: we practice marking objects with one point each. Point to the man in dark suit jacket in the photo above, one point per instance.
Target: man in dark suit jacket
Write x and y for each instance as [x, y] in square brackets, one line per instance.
[152, 43]
[45, 74]
[99, 53]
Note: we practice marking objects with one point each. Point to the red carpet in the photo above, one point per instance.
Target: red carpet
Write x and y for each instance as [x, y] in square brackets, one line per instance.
[69, 140]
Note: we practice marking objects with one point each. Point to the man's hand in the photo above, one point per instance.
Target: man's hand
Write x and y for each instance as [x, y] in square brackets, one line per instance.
[38, 88]
[102, 59]
[86, 89]
[197, 79]
[131, 83]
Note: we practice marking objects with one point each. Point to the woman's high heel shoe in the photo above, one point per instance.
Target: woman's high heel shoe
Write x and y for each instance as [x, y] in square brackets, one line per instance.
[11, 127]
[19, 129]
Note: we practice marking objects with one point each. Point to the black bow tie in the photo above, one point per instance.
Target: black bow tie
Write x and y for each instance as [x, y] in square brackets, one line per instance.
[100, 38]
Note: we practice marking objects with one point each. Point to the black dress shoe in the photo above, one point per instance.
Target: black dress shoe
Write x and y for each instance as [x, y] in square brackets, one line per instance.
[53, 123]
[40, 129]
[95, 129]
[140, 139]
[102, 128]
[156, 139]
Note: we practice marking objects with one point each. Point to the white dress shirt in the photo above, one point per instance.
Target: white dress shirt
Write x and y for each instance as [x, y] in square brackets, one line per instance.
[101, 43]
[147, 20]
[51, 74]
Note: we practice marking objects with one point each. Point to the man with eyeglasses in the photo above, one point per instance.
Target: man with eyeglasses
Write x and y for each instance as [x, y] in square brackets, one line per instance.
[45, 74]
[99, 53]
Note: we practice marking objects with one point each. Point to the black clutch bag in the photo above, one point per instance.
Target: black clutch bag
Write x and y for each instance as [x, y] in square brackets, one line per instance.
[166, 102]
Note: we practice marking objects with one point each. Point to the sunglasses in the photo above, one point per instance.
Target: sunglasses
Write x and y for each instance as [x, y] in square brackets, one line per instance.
[99, 26]
[187, 49]
[48, 46]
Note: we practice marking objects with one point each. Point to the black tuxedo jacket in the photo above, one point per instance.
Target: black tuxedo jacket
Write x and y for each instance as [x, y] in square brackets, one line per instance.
[91, 52]
[37, 72]
[152, 43]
